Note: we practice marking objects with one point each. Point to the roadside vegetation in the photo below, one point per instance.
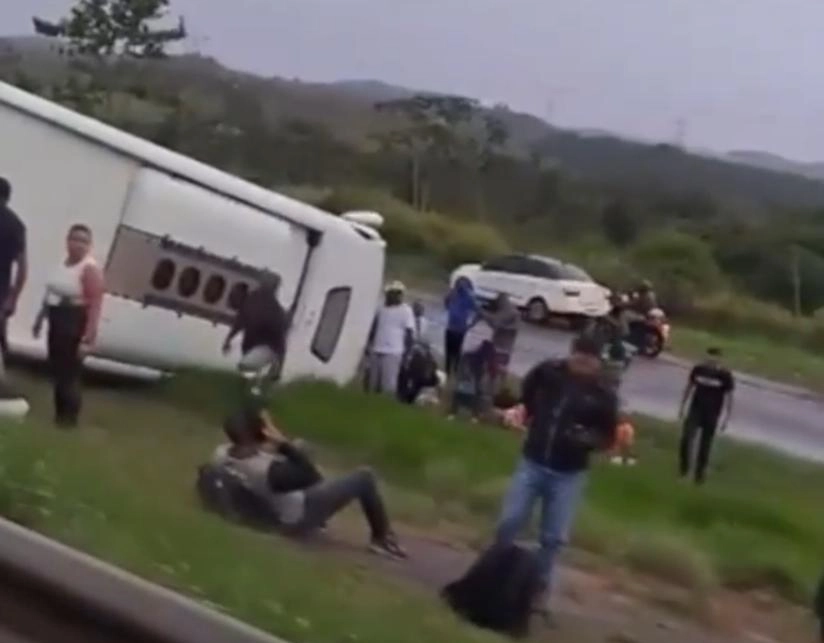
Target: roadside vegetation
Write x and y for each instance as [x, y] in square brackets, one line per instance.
[122, 489]
[733, 250]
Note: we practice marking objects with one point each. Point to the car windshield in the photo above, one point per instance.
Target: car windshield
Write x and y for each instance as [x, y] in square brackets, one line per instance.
[573, 273]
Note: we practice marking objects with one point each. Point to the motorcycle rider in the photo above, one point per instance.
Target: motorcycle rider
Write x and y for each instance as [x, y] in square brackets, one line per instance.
[611, 332]
[643, 299]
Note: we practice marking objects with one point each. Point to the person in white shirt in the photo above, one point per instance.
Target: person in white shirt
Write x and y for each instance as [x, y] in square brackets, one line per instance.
[392, 334]
[421, 323]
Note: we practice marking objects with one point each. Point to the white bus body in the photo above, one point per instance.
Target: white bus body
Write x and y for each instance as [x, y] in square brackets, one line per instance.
[181, 242]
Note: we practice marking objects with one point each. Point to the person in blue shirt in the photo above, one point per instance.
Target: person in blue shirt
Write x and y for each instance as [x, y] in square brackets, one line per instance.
[462, 313]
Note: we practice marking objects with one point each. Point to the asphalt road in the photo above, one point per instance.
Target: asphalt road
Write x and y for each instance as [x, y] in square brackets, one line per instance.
[774, 415]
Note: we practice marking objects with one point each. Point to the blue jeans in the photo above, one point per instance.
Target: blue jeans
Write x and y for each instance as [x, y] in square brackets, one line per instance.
[558, 493]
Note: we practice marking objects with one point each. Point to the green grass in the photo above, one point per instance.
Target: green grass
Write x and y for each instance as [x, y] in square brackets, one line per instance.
[121, 489]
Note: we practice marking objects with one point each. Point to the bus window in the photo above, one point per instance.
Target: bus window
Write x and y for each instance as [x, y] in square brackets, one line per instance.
[214, 289]
[189, 282]
[331, 322]
[163, 274]
[238, 294]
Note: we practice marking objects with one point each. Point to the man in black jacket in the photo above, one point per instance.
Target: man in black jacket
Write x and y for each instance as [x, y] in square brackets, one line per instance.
[571, 412]
[265, 326]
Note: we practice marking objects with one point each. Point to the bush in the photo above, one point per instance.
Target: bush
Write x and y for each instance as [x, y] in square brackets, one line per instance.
[406, 230]
[682, 267]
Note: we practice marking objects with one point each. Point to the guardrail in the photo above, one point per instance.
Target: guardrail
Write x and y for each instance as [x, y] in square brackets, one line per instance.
[105, 597]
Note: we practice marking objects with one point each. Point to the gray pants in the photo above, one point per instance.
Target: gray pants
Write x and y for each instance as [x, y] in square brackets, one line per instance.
[327, 498]
[384, 370]
[263, 366]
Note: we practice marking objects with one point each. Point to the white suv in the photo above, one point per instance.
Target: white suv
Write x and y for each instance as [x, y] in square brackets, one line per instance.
[540, 286]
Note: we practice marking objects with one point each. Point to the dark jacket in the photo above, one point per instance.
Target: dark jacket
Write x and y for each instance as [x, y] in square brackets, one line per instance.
[818, 604]
[263, 322]
[295, 472]
[568, 418]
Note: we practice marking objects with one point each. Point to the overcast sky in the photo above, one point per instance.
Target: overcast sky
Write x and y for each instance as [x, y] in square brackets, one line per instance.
[742, 74]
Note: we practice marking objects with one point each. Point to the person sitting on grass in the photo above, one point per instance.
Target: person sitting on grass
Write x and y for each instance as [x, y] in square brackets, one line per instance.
[471, 379]
[281, 473]
[622, 450]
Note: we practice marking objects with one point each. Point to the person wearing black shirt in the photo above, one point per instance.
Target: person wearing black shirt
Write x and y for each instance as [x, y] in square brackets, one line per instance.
[12, 257]
[571, 412]
[709, 394]
[264, 324]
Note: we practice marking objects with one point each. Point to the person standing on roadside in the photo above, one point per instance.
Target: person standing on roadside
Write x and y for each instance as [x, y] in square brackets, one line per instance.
[391, 336]
[504, 320]
[570, 413]
[13, 262]
[265, 325]
[461, 314]
[709, 393]
[72, 305]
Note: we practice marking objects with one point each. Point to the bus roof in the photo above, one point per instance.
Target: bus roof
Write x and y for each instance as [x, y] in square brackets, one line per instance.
[223, 183]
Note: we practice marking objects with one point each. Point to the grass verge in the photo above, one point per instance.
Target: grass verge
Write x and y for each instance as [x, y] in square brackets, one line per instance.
[121, 489]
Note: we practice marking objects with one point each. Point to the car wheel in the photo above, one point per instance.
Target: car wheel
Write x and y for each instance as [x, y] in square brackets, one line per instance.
[536, 311]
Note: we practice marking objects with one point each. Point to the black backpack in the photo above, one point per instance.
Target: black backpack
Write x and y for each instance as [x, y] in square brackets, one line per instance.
[498, 591]
[223, 492]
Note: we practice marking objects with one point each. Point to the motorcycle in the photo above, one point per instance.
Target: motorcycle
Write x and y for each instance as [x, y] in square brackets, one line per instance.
[650, 335]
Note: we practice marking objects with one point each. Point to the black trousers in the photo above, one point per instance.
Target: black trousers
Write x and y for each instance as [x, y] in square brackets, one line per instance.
[702, 426]
[327, 498]
[66, 327]
[453, 348]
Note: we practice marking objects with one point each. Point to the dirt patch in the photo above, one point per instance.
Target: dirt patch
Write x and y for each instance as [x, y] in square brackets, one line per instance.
[603, 606]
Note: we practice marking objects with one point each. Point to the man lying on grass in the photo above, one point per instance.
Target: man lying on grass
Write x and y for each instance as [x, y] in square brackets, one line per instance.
[282, 475]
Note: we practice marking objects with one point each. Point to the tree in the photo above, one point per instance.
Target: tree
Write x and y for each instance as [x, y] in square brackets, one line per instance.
[681, 266]
[441, 129]
[101, 32]
[619, 226]
[105, 28]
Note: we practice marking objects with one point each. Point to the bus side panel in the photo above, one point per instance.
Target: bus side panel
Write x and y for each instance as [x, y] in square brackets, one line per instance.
[179, 261]
[58, 179]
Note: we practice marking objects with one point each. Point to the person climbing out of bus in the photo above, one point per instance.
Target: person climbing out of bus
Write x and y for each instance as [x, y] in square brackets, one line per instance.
[71, 307]
[391, 336]
[461, 313]
[264, 325]
[282, 474]
[472, 379]
[13, 263]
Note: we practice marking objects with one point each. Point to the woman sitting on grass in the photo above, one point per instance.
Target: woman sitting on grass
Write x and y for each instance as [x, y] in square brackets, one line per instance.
[281, 474]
